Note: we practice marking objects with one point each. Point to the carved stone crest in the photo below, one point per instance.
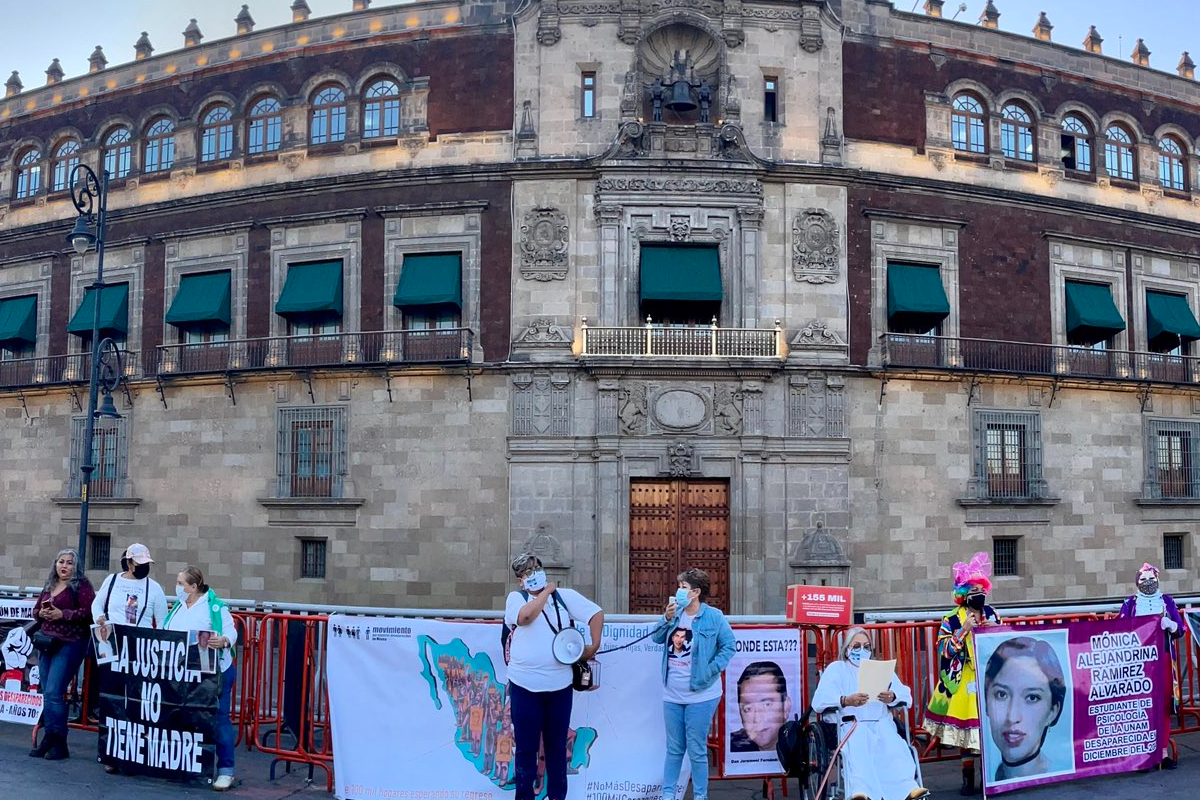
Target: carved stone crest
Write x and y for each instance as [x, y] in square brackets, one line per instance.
[544, 333]
[815, 247]
[816, 335]
[544, 237]
[680, 459]
[541, 404]
[819, 548]
[727, 411]
[631, 409]
[680, 228]
[545, 546]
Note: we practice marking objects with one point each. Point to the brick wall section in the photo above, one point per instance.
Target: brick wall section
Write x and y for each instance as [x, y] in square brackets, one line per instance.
[371, 262]
[886, 86]
[1004, 261]
[258, 279]
[154, 304]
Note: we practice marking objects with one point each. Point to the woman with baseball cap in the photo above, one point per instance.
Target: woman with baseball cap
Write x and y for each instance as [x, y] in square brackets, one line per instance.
[131, 597]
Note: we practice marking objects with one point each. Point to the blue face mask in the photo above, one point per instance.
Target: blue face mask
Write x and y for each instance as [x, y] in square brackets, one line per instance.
[536, 582]
[681, 598]
[858, 656]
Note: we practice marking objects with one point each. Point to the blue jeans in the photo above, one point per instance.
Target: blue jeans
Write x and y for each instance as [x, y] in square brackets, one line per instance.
[56, 672]
[226, 738]
[687, 731]
[539, 717]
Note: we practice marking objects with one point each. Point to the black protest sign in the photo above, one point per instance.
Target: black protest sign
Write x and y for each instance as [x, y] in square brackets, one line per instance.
[156, 714]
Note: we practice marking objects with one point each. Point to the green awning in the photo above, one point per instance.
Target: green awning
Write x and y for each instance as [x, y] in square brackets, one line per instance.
[916, 299]
[201, 300]
[1169, 320]
[114, 312]
[312, 289]
[1091, 314]
[18, 319]
[429, 280]
[681, 272]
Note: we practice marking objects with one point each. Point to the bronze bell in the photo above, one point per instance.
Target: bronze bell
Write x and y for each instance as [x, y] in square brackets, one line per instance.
[681, 98]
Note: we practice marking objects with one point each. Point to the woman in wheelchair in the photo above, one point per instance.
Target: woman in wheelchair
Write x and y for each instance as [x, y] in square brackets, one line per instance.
[877, 763]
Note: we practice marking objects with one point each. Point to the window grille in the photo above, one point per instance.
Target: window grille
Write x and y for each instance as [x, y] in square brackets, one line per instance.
[110, 456]
[310, 452]
[1008, 456]
[1171, 459]
[1004, 556]
[312, 558]
[1173, 550]
[99, 551]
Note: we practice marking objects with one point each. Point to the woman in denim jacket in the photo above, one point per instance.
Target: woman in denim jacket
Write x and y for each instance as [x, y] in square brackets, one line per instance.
[698, 644]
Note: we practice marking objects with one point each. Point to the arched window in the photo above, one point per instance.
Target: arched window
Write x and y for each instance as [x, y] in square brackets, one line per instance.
[1118, 153]
[64, 159]
[118, 153]
[968, 126]
[328, 115]
[216, 134]
[381, 109]
[29, 173]
[1016, 132]
[1076, 144]
[1172, 171]
[265, 129]
[160, 146]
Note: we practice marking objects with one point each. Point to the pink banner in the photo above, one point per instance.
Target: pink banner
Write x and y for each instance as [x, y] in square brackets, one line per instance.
[1059, 702]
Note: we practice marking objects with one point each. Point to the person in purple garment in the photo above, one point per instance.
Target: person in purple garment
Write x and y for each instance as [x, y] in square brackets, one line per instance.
[1149, 600]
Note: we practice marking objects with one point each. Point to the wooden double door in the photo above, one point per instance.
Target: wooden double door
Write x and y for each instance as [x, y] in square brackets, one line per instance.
[675, 525]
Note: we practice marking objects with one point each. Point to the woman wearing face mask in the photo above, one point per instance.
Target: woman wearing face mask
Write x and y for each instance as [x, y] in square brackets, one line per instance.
[878, 763]
[131, 597]
[199, 609]
[697, 646]
[953, 712]
[64, 609]
[1149, 600]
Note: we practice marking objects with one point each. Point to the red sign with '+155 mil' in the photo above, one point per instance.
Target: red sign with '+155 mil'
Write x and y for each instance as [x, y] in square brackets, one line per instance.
[820, 605]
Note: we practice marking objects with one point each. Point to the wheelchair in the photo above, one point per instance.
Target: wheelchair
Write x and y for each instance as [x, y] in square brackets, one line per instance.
[822, 735]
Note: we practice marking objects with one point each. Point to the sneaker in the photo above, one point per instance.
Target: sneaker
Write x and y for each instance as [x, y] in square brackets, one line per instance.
[1169, 763]
[222, 783]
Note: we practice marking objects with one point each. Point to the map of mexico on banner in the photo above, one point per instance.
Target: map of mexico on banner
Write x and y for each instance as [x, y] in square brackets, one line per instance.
[156, 715]
[1076, 700]
[762, 690]
[19, 698]
[421, 706]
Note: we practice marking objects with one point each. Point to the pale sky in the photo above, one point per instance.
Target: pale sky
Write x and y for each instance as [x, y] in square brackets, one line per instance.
[33, 32]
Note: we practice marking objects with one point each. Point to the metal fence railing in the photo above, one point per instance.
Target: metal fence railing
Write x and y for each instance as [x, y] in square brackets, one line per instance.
[671, 341]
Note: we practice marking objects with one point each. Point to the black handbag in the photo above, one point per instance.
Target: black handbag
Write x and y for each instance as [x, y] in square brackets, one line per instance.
[46, 644]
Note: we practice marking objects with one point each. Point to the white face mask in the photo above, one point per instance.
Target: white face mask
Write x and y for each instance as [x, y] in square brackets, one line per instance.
[858, 656]
[535, 582]
[181, 593]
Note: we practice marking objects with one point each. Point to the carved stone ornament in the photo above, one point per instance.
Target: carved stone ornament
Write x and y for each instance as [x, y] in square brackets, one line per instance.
[544, 333]
[811, 39]
[727, 411]
[680, 459]
[541, 404]
[544, 239]
[631, 409]
[819, 548]
[680, 229]
[681, 185]
[545, 546]
[816, 336]
[816, 247]
[548, 32]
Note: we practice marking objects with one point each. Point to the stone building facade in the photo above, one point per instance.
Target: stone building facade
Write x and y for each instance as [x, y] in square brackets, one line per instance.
[797, 292]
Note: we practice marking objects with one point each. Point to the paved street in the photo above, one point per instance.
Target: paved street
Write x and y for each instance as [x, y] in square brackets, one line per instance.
[81, 776]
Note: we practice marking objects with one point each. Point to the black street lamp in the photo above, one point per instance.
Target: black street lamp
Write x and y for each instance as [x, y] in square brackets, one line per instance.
[89, 194]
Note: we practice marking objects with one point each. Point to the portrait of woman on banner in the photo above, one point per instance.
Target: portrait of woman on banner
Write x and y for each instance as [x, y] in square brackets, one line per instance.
[1027, 709]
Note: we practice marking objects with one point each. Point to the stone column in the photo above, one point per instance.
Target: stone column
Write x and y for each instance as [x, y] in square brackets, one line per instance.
[751, 218]
[608, 221]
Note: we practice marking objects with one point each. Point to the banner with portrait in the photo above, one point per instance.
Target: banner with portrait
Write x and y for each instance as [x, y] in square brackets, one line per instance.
[156, 709]
[455, 736]
[20, 701]
[762, 690]
[1075, 700]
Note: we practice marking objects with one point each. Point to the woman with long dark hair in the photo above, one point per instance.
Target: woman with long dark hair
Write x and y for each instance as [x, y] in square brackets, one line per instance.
[64, 610]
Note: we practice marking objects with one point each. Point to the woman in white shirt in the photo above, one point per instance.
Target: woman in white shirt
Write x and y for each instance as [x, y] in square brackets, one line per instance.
[878, 762]
[131, 597]
[199, 609]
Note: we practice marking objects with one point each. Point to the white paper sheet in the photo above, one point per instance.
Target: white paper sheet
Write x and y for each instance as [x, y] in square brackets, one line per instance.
[875, 677]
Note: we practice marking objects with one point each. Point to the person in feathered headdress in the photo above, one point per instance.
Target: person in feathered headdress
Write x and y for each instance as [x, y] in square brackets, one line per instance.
[1149, 600]
[953, 712]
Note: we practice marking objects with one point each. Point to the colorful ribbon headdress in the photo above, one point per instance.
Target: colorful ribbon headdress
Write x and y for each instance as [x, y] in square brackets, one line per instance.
[975, 574]
[1147, 569]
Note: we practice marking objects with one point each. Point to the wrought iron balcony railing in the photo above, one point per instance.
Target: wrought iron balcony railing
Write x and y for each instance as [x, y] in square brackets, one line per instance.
[700, 341]
[1029, 358]
[24, 373]
[439, 346]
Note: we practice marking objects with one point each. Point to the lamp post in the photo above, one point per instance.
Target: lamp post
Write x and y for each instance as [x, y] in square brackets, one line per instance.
[89, 194]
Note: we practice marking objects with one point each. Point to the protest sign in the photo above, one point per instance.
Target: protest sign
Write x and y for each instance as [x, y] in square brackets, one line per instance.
[156, 714]
[449, 732]
[1074, 700]
[20, 701]
[820, 605]
[762, 687]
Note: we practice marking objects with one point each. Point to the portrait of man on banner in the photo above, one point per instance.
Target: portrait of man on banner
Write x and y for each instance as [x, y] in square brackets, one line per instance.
[1026, 707]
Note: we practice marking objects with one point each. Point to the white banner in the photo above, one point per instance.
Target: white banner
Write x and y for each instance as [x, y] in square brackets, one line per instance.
[20, 701]
[762, 690]
[418, 710]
